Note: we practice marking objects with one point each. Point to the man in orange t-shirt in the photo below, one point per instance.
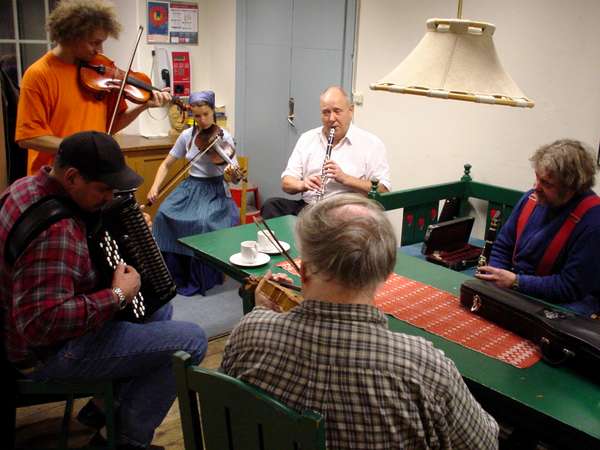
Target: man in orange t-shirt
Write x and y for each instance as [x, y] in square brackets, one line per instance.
[52, 104]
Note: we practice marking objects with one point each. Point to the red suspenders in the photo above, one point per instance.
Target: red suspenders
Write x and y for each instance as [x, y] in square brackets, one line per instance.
[561, 237]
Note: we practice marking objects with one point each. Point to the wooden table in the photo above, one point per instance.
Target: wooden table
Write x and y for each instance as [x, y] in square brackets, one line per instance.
[555, 404]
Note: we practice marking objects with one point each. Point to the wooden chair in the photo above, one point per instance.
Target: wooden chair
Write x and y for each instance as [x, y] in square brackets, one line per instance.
[22, 391]
[247, 213]
[221, 412]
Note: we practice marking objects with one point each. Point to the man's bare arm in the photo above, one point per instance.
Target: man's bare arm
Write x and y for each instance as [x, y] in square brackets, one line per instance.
[47, 144]
[292, 185]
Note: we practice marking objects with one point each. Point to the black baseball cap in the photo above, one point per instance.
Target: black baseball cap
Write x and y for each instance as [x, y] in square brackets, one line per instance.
[99, 158]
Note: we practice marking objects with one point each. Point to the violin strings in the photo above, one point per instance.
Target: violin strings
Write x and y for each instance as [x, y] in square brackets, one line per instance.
[290, 286]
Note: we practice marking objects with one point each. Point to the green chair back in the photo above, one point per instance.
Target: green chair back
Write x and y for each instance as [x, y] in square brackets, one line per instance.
[420, 205]
[219, 412]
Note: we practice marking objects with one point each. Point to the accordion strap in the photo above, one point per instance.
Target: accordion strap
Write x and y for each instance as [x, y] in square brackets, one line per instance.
[35, 219]
[561, 237]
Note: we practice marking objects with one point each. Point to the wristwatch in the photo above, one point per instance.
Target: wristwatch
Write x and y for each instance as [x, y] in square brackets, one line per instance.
[121, 296]
[515, 284]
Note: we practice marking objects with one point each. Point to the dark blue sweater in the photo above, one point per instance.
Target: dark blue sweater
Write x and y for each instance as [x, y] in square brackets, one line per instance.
[575, 278]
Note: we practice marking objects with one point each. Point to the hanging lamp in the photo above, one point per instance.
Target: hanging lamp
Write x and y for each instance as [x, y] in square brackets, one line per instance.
[456, 59]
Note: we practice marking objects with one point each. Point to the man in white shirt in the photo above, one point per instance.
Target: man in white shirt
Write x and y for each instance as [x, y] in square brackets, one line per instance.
[357, 157]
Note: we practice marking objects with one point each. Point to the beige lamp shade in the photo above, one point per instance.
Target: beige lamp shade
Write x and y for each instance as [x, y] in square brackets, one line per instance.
[456, 59]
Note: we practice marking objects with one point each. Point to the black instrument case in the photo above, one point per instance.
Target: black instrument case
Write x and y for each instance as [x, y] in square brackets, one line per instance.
[561, 335]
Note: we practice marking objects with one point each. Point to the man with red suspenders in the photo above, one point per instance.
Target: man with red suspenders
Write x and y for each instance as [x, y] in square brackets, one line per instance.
[550, 245]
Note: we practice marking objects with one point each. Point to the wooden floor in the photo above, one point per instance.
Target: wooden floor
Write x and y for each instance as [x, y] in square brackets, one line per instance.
[38, 426]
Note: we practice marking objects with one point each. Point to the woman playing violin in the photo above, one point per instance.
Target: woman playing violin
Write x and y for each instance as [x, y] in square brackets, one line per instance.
[52, 102]
[201, 203]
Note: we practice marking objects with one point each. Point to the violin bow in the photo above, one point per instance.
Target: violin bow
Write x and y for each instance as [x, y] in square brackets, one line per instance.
[243, 199]
[166, 186]
[124, 82]
[260, 222]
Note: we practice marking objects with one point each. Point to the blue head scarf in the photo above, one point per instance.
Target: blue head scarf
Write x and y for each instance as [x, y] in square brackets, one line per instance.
[203, 96]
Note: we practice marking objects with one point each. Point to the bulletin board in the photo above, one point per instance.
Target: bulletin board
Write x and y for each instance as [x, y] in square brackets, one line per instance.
[172, 22]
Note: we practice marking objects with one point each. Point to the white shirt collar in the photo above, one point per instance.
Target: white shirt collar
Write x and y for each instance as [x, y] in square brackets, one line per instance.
[350, 134]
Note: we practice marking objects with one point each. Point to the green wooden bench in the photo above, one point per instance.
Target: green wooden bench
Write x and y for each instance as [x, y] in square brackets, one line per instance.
[421, 205]
[222, 412]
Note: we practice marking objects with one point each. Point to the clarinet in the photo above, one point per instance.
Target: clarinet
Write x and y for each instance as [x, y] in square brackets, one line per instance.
[328, 149]
[490, 237]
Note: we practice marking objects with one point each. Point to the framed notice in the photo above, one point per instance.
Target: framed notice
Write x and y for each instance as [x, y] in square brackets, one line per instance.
[174, 22]
[158, 22]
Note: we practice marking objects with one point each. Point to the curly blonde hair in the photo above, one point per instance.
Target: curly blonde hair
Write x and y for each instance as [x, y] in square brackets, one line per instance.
[76, 19]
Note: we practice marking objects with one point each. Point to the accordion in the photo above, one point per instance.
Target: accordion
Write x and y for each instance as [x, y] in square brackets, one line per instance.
[119, 234]
[563, 337]
[122, 235]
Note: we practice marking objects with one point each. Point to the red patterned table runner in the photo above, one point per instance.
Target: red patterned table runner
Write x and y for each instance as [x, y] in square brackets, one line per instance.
[440, 312]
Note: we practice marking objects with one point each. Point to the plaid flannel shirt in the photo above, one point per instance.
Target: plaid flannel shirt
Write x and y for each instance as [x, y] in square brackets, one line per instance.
[376, 389]
[50, 294]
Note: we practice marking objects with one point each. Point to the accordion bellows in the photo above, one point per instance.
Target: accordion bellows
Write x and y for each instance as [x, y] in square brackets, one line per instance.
[125, 236]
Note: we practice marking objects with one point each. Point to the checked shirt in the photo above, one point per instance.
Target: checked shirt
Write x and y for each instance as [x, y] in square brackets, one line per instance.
[45, 297]
[376, 389]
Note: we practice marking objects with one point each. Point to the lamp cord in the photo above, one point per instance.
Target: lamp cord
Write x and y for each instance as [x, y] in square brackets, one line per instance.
[459, 12]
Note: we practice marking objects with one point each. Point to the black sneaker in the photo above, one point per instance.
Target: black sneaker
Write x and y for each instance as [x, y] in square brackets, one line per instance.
[91, 416]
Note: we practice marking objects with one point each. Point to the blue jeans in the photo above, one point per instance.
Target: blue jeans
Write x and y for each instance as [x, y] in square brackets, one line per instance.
[138, 356]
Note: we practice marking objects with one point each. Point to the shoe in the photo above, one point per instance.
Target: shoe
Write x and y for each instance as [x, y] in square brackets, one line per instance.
[91, 416]
[98, 440]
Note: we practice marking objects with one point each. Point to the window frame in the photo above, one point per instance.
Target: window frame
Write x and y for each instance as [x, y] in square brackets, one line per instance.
[17, 41]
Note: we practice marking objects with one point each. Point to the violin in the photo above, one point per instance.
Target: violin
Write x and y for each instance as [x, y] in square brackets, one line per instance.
[100, 75]
[221, 152]
[285, 295]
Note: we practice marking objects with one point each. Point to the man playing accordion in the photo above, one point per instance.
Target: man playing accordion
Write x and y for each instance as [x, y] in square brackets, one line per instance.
[57, 316]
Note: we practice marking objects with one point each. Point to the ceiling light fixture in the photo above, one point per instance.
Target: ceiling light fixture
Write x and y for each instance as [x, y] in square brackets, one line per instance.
[457, 60]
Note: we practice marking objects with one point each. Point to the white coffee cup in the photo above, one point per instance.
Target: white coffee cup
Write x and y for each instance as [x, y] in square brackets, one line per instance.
[262, 237]
[248, 251]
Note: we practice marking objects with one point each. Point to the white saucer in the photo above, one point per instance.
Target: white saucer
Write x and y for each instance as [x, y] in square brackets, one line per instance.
[260, 259]
[272, 250]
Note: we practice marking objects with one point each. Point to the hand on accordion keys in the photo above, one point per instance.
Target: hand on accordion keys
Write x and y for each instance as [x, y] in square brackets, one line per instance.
[128, 279]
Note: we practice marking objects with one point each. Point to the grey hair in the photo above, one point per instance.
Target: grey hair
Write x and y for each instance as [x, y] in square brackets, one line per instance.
[347, 238]
[340, 89]
[569, 162]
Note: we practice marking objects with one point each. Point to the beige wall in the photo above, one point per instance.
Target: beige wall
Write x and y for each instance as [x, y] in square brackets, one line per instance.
[549, 47]
[213, 59]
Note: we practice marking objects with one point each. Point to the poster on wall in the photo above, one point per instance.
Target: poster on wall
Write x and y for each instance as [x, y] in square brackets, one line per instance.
[158, 22]
[183, 23]
[174, 22]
